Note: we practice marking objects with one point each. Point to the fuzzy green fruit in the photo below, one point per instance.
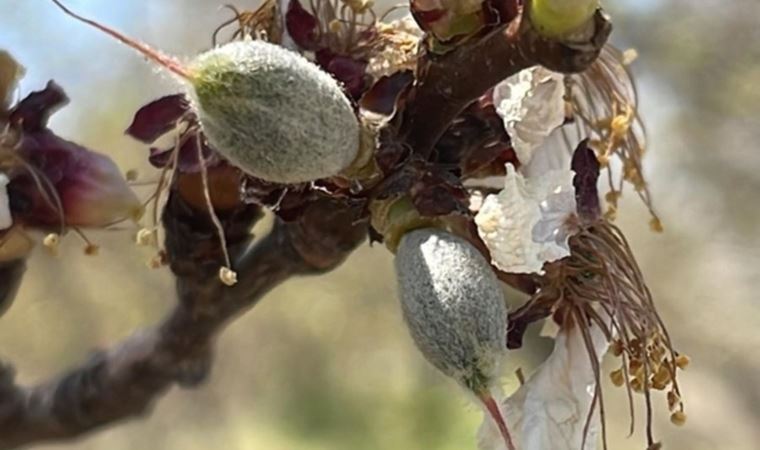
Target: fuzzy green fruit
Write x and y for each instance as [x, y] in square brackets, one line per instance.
[455, 311]
[266, 109]
[273, 113]
[453, 306]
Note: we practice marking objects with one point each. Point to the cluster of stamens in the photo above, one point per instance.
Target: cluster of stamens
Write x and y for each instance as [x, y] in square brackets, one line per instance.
[603, 105]
[601, 284]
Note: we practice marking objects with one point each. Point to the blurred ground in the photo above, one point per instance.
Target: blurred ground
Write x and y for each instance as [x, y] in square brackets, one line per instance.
[326, 363]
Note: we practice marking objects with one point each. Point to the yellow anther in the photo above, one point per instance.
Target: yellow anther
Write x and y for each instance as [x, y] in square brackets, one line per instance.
[617, 377]
[227, 276]
[678, 418]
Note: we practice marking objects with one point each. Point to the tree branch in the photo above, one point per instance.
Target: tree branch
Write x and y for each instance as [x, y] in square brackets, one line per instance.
[448, 83]
[123, 382]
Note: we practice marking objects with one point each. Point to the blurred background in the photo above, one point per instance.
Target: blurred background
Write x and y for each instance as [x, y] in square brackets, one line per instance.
[326, 363]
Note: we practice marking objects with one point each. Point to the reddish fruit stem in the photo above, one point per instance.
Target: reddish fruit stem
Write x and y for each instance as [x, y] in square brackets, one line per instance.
[165, 61]
[493, 409]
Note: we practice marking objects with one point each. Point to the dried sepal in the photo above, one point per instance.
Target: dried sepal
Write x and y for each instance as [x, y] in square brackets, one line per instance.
[158, 117]
[477, 142]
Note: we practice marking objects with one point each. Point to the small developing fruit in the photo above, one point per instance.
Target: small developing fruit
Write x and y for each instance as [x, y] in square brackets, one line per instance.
[268, 110]
[455, 311]
[273, 113]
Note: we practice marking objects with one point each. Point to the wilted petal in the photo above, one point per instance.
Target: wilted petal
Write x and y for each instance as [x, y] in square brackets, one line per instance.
[6, 221]
[531, 104]
[91, 188]
[528, 223]
[158, 118]
[384, 95]
[32, 113]
[586, 168]
[551, 410]
[301, 26]
[347, 70]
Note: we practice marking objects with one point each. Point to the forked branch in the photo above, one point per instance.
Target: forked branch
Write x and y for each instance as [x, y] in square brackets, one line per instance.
[124, 382]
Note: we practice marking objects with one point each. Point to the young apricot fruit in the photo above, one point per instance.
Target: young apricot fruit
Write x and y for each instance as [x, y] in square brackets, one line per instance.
[268, 110]
[455, 311]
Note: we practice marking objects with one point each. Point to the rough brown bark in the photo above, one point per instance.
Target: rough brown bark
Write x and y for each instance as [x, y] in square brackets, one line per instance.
[448, 83]
[123, 382]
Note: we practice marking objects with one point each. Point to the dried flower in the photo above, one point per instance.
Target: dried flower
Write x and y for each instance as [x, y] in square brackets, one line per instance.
[601, 283]
[58, 182]
[262, 23]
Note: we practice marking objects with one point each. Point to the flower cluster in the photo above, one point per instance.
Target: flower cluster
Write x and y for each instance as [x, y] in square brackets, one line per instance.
[48, 183]
[547, 221]
[509, 190]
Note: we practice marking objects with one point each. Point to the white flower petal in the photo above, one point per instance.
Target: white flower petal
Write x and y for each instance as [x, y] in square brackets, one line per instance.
[6, 221]
[550, 411]
[525, 225]
[531, 104]
[551, 155]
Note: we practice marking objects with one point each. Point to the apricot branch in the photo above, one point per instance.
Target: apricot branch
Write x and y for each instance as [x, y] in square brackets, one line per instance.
[448, 83]
[125, 381]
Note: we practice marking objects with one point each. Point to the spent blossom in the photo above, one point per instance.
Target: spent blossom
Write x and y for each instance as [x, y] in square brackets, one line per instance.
[552, 410]
[529, 222]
